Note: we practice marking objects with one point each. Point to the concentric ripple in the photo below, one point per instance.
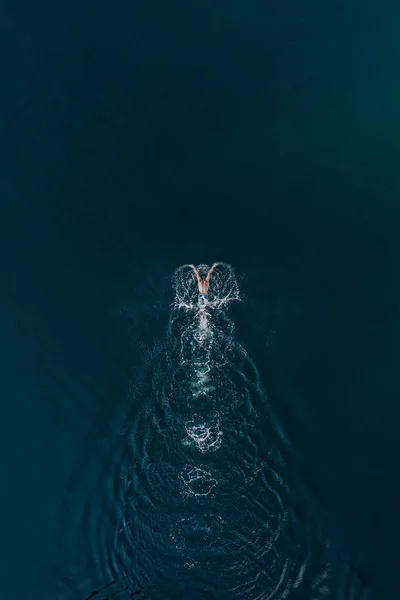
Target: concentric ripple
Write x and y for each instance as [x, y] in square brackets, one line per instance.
[204, 504]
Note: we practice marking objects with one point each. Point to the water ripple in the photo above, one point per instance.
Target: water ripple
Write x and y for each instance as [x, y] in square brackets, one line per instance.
[201, 502]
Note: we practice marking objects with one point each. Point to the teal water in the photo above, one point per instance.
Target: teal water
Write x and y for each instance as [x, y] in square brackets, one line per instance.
[136, 139]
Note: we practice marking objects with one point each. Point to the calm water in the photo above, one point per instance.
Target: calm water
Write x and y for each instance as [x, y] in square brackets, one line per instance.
[149, 450]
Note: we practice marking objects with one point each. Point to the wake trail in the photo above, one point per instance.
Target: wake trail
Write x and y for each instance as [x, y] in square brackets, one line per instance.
[211, 492]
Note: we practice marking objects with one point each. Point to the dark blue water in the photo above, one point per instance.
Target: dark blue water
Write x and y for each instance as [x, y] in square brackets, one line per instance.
[147, 452]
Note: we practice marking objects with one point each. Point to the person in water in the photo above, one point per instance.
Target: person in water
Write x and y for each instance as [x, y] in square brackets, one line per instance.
[203, 283]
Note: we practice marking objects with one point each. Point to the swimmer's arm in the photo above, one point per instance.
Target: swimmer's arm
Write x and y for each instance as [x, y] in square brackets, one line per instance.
[196, 272]
[210, 271]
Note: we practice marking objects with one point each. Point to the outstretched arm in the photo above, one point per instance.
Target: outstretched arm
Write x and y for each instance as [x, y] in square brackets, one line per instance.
[196, 272]
[210, 271]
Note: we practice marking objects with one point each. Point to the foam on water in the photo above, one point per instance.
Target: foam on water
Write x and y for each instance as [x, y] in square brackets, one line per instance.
[206, 438]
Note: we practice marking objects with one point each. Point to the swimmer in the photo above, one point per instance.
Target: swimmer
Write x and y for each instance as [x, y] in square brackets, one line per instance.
[203, 283]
